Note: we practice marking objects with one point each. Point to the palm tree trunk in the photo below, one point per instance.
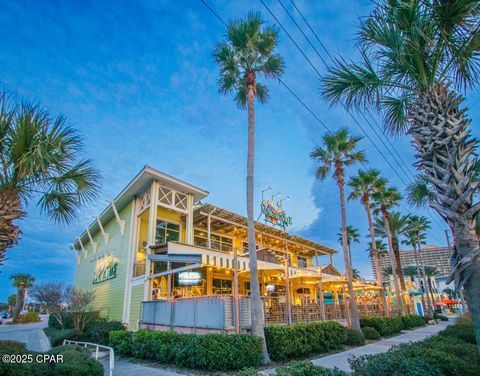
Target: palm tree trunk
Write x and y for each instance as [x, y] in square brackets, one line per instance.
[376, 259]
[256, 305]
[425, 283]
[354, 316]
[18, 303]
[466, 240]
[418, 274]
[431, 292]
[10, 210]
[399, 270]
[398, 296]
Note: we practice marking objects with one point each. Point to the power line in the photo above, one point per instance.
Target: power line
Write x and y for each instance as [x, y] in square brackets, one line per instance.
[341, 102]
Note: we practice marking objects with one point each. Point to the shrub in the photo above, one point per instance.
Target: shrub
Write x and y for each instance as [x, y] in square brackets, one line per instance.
[248, 372]
[57, 336]
[286, 342]
[76, 362]
[440, 317]
[121, 341]
[355, 337]
[212, 352]
[98, 332]
[10, 369]
[462, 332]
[29, 317]
[412, 321]
[306, 368]
[370, 333]
[386, 326]
[67, 320]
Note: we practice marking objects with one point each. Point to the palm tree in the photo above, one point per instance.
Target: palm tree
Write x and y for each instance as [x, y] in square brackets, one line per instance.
[356, 274]
[415, 55]
[248, 50]
[387, 271]
[363, 186]
[410, 271]
[337, 153]
[416, 237]
[21, 282]
[380, 249]
[353, 236]
[431, 272]
[398, 227]
[386, 198]
[40, 159]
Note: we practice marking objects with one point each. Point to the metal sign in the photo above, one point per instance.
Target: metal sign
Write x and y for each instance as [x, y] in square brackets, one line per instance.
[105, 269]
[275, 214]
[189, 278]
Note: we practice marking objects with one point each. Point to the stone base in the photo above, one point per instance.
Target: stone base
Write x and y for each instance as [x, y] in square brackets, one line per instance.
[187, 330]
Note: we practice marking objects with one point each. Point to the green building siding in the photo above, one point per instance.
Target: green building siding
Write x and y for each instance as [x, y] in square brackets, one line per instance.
[109, 294]
[135, 305]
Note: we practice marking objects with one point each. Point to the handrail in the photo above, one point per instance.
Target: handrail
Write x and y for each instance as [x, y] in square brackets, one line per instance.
[97, 346]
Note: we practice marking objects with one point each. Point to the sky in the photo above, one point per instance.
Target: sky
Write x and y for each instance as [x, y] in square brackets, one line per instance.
[138, 81]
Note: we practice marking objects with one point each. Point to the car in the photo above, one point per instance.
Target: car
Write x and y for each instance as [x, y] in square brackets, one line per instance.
[4, 315]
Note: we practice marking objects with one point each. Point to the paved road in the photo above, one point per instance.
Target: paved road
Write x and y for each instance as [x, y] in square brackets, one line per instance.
[340, 360]
[30, 334]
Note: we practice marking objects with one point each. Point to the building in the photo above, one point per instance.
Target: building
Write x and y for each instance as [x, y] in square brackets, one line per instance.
[158, 257]
[438, 257]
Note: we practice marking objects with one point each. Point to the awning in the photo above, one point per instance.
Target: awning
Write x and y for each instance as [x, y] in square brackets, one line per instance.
[446, 302]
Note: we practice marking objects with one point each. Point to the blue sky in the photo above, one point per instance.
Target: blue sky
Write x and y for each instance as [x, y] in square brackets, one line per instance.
[137, 79]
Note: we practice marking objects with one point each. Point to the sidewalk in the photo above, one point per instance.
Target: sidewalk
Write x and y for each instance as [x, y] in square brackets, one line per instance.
[340, 360]
[31, 334]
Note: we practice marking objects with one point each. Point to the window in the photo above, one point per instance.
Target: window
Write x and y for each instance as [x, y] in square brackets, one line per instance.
[301, 262]
[245, 247]
[166, 232]
[218, 242]
[222, 286]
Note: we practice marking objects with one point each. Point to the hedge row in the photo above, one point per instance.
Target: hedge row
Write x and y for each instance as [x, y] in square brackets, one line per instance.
[387, 326]
[451, 353]
[76, 362]
[296, 368]
[286, 342]
[211, 352]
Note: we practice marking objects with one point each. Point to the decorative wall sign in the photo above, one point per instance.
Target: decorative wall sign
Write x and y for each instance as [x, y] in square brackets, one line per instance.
[105, 269]
[189, 278]
[275, 215]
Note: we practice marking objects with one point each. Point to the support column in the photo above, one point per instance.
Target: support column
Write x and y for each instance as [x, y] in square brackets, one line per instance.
[209, 240]
[236, 308]
[152, 222]
[189, 220]
[320, 288]
[287, 285]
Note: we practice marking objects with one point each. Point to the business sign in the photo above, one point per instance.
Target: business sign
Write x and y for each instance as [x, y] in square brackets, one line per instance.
[189, 278]
[105, 269]
[275, 214]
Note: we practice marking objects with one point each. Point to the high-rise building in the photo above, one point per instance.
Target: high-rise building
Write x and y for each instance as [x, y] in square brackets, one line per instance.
[438, 257]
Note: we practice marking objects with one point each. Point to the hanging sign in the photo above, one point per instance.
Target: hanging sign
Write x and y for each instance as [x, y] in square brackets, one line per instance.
[275, 214]
[105, 269]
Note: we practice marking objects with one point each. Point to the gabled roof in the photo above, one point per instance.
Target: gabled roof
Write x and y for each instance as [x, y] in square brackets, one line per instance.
[137, 186]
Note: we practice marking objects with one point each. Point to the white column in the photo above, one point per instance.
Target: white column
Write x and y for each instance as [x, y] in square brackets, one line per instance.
[209, 240]
[152, 222]
[189, 220]
[132, 250]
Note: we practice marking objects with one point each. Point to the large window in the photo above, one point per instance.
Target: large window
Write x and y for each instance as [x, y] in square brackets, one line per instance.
[166, 232]
[218, 242]
[222, 286]
[302, 262]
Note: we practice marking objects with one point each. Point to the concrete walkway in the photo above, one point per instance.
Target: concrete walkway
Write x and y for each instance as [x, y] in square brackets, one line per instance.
[340, 360]
[30, 334]
[123, 367]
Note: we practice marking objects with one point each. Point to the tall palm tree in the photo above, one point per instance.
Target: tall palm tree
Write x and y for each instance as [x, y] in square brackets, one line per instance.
[416, 237]
[410, 271]
[353, 236]
[431, 272]
[385, 198]
[398, 227]
[416, 57]
[248, 50]
[380, 249]
[338, 152]
[39, 160]
[387, 271]
[21, 282]
[363, 186]
[356, 274]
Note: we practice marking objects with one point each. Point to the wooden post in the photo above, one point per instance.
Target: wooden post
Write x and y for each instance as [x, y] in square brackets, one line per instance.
[320, 288]
[287, 284]
[346, 301]
[236, 308]
[335, 303]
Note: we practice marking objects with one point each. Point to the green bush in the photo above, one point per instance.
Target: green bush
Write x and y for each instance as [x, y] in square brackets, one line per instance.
[67, 320]
[121, 341]
[29, 317]
[248, 372]
[386, 326]
[98, 332]
[76, 362]
[290, 341]
[412, 321]
[56, 336]
[441, 355]
[212, 352]
[463, 332]
[355, 337]
[370, 333]
[440, 317]
[306, 368]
